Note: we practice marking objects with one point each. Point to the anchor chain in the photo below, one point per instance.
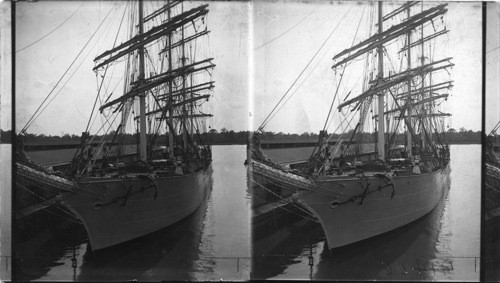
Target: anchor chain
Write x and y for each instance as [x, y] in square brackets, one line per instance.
[130, 192]
[366, 189]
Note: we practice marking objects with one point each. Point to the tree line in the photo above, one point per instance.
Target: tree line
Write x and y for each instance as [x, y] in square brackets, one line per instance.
[225, 136]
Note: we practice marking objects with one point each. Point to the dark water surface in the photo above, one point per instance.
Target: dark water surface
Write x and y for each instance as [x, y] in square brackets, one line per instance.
[211, 244]
[443, 245]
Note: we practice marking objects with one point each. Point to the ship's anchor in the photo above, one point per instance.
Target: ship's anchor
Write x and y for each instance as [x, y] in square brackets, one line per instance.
[127, 195]
[365, 186]
[335, 204]
[128, 191]
[365, 191]
[362, 195]
[151, 184]
[388, 183]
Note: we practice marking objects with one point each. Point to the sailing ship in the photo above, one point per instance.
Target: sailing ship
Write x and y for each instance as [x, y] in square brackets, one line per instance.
[356, 193]
[119, 197]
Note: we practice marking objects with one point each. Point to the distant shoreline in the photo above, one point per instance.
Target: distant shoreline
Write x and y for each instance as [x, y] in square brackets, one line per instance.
[53, 146]
[230, 138]
[477, 142]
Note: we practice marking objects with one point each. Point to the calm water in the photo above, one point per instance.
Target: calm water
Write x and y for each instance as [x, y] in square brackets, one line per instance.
[444, 245]
[5, 211]
[211, 244]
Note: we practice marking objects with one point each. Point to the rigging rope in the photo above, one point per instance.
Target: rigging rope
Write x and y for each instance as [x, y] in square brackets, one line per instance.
[57, 93]
[101, 143]
[105, 71]
[264, 123]
[495, 128]
[64, 212]
[308, 75]
[67, 81]
[284, 32]
[343, 71]
[309, 216]
[314, 152]
[38, 40]
[31, 120]
[493, 49]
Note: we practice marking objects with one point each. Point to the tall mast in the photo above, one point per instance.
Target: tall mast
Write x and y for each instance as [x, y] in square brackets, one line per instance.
[191, 95]
[423, 94]
[422, 62]
[408, 133]
[142, 97]
[183, 60]
[176, 98]
[170, 98]
[381, 124]
[432, 122]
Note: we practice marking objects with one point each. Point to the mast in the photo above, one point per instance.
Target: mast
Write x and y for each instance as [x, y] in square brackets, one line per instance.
[173, 105]
[170, 97]
[425, 94]
[388, 35]
[408, 133]
[412, 105]
[422, 62]
[191, 96]
[432, 122]
[142, 97]
[183, 60]
[381, 124]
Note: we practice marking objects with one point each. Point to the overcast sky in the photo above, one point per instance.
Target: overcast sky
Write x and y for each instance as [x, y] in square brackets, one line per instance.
[279, 62]
[285, 37]
[5, 69]
[40, 66]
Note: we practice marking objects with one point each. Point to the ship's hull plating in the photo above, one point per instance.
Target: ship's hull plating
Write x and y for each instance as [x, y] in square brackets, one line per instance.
[114, 210]
[415, 196]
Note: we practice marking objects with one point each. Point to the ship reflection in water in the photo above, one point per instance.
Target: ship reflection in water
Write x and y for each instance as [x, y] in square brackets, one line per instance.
[213, 243]
[443, 245]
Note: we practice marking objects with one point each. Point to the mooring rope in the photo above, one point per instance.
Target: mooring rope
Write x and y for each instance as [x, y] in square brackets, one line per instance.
[56, 206]
[288, 202]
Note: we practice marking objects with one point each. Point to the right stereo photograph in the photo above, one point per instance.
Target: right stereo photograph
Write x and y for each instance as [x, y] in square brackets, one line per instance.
[366, 160]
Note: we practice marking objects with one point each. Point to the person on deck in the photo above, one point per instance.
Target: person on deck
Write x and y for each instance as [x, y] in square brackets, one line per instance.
[342, 165]
[178, 168]
[416, 167]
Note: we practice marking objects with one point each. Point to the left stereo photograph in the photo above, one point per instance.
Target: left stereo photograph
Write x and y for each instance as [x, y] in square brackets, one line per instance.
[118, 171]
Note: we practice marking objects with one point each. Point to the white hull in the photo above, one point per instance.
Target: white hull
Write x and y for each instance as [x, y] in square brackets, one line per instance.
[345, 222]
[415, 196]
[111, 218]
